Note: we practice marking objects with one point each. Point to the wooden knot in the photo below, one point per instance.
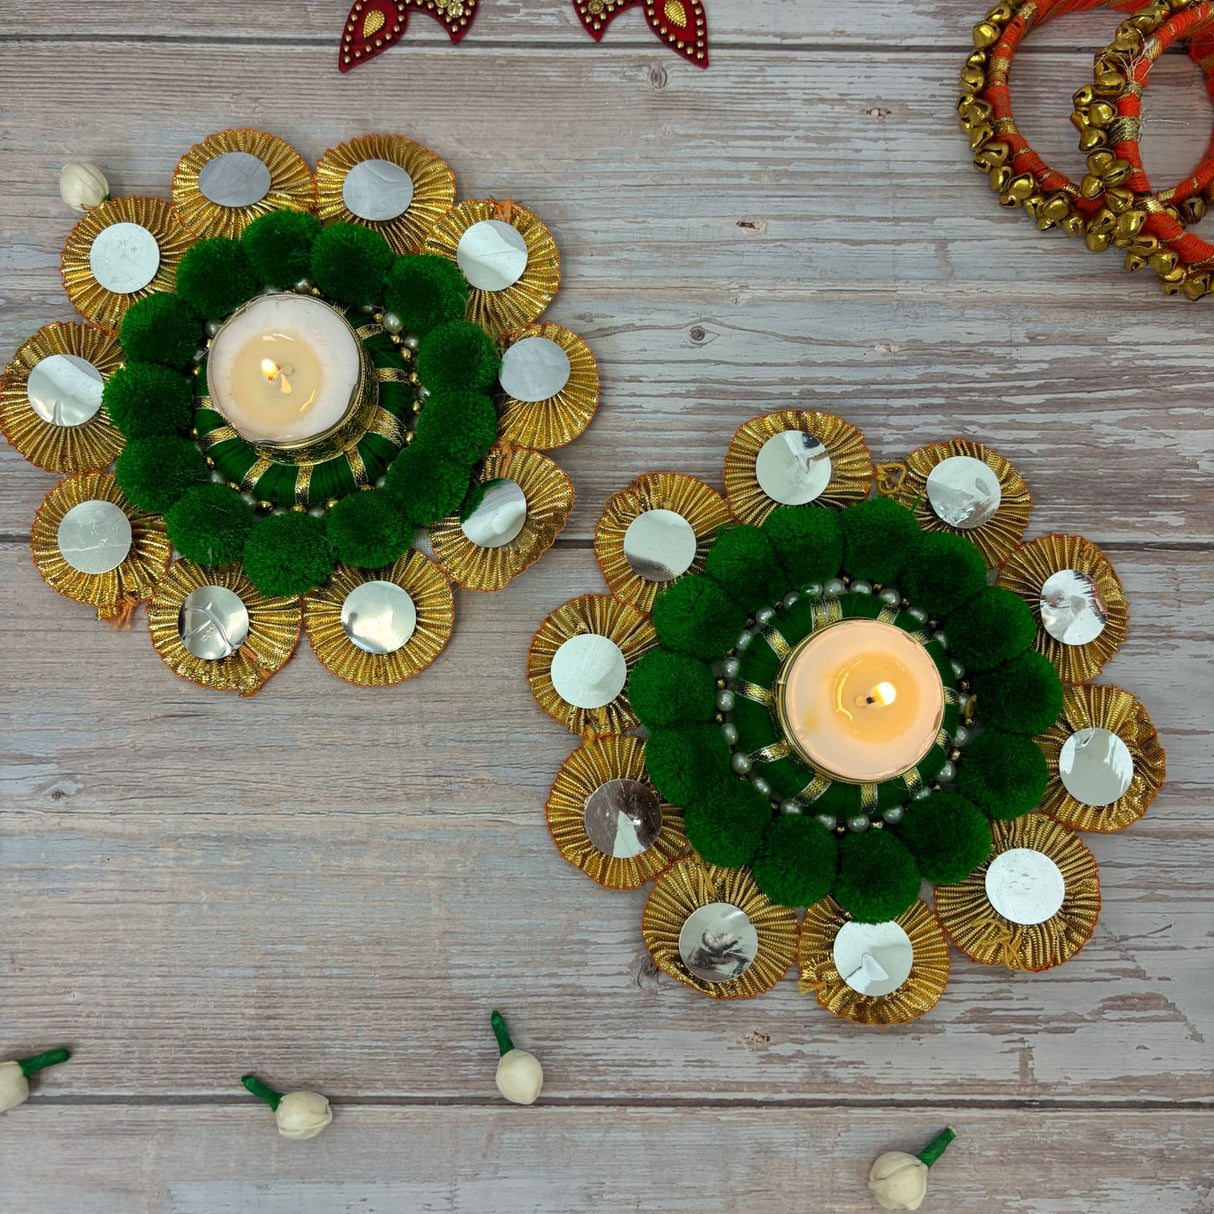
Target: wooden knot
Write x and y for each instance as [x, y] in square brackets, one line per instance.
[889, 478]
[126, 608]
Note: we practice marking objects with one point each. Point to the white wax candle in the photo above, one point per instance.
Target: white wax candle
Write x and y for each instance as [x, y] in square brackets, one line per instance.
[284, 369]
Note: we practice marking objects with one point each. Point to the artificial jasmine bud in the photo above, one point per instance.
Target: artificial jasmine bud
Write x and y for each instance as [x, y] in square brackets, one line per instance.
[899, 1181]
[82, 185]
[14, 1076]
[300, 1115]
[520, 1078]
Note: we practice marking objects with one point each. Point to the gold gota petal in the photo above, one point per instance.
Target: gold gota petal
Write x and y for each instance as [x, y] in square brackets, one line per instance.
[589, 615]
[432, 599]
[1103, 707]
[851, 466]
[97, 303]
[702, 506]
[1000, 534]
[274, 625]
[594, 764]
[546, 424]
[525, 300]
[549, 495]
[690, 884]
[918, 994]
[113, 593]
[88, 447]
[291, 184]
[1026, 572]
[984, 935]
[433, 187]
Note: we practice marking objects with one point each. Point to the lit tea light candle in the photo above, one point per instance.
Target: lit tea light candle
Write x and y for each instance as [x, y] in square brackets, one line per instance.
[861, 701]
[285, 370]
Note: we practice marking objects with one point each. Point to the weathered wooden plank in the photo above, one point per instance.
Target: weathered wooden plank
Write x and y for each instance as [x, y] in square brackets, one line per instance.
[381, 1160]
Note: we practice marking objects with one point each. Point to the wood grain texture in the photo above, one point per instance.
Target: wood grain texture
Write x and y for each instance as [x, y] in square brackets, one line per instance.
[334, 886]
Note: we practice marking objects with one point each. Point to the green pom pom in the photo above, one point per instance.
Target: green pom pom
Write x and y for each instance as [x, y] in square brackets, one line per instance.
[667, 688]
[161, 328]
[695, 616]
[215, 277]
[209, 524]
[368, 529]
[349, 264]
[288, 554]
[462, 424]
[144, 399]
[686, 762]
[726, 824]
[426, 484]
[744, 564]
[948, 836]
[425, 291]
[796, 861]
[457, 355]
[1022, 696]
[992, 628]
[1004, 775]
[808, 541]
[879, 539]
[878, 879]
[154, 472]
[279, 246]
[946, 572]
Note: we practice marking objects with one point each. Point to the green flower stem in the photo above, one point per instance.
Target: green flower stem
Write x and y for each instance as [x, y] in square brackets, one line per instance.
[504, 1044]
[41, 1061]
[936, 1147]
[262, 1091]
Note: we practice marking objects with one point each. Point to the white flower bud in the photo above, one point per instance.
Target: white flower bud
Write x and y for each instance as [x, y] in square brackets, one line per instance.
[898, 1181]
[520, 1078]
[302, 1114]
[14, 1087]
[82, 185]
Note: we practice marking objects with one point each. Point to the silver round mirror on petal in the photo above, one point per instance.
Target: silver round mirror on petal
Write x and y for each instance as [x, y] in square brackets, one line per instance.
[963, 492]
[497, 514]
[124, 257]
[1095, 766]
[64, 389]
[378, 617]
[377, 190]
[94, 537]
[873, 958]
[793, 468]
[492, 255]
[213, 622]
[718, 942]
[1072, 610]
[235, 179]
[623, 818]
[1025, 886]
[589, 671]
[660, 545]
[534, 369]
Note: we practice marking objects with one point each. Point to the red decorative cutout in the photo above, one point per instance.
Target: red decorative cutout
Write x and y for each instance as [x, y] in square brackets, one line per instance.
[375, 25]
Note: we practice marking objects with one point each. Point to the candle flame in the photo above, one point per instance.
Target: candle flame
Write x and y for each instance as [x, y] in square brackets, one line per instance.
[882, 695]
[274, 373]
